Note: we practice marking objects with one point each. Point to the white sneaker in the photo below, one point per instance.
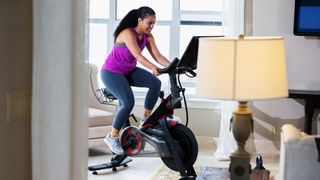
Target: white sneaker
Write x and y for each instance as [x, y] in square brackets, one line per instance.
[113, 144]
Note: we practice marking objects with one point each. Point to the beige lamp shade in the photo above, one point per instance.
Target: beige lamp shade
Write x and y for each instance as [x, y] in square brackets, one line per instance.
[247, 68]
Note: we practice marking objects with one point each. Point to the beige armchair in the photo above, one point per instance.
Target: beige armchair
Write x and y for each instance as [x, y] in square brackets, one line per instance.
[101, 110]
[298, 155]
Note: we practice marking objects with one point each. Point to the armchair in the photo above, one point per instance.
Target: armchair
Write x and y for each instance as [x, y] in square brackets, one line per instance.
[100, 112]
[298, 155]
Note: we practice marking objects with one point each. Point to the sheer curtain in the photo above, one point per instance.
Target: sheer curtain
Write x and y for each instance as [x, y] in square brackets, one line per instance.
[226, 142]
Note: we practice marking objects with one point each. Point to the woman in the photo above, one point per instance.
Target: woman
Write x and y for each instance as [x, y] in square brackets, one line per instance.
[119, 71]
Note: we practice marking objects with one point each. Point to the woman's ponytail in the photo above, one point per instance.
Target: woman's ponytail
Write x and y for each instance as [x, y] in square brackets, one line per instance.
[130, 20]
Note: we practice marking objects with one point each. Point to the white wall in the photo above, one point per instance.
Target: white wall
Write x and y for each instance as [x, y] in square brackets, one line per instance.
[275, 17]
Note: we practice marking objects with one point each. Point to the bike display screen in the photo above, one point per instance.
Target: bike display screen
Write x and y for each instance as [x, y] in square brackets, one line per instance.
[190, 55]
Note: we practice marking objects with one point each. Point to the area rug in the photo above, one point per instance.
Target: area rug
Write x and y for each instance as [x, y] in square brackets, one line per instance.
[164, 173]
[203, 173]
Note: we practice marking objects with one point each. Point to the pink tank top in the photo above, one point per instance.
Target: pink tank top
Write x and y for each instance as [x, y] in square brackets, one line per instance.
[120, 60]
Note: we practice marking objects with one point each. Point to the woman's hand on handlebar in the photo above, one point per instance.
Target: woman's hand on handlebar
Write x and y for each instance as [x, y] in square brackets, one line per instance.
[155, 71]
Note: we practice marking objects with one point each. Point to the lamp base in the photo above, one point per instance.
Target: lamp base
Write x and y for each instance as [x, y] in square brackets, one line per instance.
[240, 167]
[242, 124]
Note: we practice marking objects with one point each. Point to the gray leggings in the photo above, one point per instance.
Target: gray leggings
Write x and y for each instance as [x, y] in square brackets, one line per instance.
[120, 86]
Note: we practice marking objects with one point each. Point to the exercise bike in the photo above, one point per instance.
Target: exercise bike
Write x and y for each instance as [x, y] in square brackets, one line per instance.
[172, 141]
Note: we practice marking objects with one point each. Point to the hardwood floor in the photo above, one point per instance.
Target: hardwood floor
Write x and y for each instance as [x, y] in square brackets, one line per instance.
[144, 168]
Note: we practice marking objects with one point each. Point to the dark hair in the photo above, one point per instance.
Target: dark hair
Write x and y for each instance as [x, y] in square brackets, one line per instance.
[131, 19]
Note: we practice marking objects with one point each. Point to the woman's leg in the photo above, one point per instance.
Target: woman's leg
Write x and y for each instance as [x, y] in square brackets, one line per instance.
[119, 86]
[142, 78]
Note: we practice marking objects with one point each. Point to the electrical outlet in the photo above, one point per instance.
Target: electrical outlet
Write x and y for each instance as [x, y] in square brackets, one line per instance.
[273, 129]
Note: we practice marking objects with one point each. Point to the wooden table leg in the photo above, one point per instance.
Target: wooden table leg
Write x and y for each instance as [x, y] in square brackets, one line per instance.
[309, 109]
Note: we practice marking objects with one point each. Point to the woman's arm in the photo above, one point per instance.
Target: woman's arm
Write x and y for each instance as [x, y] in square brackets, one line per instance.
[127, 37]
[155, 53]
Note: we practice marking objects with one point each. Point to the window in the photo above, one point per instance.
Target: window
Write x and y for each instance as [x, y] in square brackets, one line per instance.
[162, 8]
[99, 9]
[177, 22]
[201, 5]
[98, 45]
[198, 20]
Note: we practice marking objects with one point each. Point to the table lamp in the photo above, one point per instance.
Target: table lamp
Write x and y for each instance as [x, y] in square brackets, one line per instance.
[241, 69]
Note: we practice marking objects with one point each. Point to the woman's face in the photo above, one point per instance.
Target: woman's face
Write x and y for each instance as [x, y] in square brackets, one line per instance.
[147, 23]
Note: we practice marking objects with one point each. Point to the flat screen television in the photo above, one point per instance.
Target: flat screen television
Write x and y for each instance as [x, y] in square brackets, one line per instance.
[307, 18]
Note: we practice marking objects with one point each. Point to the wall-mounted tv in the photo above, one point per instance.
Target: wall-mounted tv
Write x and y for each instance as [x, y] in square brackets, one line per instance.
[307, 18]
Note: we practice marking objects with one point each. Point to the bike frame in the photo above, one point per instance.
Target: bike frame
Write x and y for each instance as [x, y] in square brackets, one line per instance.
[155, 131]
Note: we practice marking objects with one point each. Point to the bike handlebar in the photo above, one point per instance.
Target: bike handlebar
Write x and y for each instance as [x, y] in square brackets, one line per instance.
[170, 68]
[173, 69]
